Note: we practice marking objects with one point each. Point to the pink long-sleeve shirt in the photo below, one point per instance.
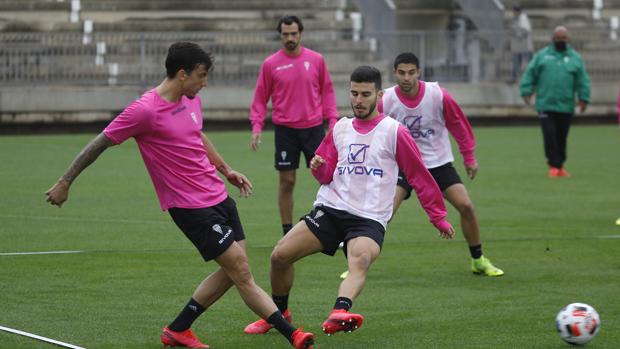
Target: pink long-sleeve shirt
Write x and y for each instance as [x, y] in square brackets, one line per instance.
[300, 88]
[408, 160]
[455, 120]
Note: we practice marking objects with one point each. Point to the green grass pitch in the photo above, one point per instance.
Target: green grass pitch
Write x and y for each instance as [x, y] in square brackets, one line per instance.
[556, 240]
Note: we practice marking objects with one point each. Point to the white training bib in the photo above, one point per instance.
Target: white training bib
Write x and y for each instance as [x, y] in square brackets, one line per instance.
[364, 181]
[425, 122]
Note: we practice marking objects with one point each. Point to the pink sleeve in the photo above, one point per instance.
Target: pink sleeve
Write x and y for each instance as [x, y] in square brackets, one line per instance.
[131, 122]
[262, 93]
[330, 111]
[410, 162]
[459, 128]
[327, 150]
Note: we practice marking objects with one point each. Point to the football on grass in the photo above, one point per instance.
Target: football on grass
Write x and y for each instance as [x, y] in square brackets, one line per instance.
[578, 323]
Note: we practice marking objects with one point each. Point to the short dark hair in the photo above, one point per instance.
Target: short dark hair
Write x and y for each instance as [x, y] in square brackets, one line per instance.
[288, 20]
[366, 73]
[187, 56]
[406, 58]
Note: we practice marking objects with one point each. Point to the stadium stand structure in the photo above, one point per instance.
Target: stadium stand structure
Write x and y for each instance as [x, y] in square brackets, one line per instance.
[462, 44]
[591, 37]
[239, 32]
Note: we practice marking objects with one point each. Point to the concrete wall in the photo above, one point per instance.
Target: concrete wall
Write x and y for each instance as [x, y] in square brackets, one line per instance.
[53, 104]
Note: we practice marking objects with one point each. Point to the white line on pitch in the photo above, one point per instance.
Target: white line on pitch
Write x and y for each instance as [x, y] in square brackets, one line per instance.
[87, 219]
[609, 237]
[41, 252]
[44, 339]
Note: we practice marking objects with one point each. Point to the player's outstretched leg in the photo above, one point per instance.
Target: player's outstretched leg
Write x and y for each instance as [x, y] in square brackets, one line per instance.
[178, 332]
[296, 244]
[362, 252]
[458, 196]
[234, 262]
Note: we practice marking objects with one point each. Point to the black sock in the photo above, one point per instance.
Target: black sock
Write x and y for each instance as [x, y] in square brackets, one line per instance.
[281, 302]
[343, 303]
[286, 228]
[475, 251]
[187, 316]
[277, 320]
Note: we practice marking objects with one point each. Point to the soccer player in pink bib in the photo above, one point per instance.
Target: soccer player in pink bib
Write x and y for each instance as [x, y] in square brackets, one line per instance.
[297, 81]
[166, 123]
[430, 114]
[357, 165]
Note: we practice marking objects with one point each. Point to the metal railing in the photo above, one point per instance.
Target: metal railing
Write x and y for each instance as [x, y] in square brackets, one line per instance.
[471, 56]
[137, 58]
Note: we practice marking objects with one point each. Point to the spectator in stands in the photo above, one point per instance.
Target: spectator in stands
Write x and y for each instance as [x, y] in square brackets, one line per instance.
[556, 74]
[521, 45]
[302, 94]
[166, 123]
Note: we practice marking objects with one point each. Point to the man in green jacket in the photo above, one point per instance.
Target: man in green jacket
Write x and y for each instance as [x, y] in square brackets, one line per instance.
[555, 75]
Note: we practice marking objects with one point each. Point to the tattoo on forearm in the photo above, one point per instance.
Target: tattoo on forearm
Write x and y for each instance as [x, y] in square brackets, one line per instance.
[86, 157]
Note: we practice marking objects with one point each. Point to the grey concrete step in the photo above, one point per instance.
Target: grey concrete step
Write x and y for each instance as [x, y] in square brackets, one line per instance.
[157, 5]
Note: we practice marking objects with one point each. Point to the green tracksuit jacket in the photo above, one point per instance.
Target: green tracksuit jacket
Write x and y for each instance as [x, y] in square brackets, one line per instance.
[555, 77]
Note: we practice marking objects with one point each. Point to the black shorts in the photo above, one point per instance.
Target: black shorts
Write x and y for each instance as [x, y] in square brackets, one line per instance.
[445, 176]
[212, 229]
[333, 226]
[290, 142]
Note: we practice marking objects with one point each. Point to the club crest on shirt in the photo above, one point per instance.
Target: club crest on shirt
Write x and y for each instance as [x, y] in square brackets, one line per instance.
[193, 115]
[306, 65]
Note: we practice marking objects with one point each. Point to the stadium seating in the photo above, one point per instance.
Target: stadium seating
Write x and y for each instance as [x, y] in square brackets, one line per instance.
[236, 30]
[241, 33]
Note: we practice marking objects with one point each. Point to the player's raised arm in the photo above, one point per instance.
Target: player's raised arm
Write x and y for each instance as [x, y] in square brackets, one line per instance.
[59, 192]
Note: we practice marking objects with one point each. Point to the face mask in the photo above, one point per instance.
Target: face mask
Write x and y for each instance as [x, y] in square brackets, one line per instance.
[560, 45]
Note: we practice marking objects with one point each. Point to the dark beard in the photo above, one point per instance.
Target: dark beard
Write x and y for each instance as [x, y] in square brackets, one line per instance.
[291, 46]
[365, 116]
